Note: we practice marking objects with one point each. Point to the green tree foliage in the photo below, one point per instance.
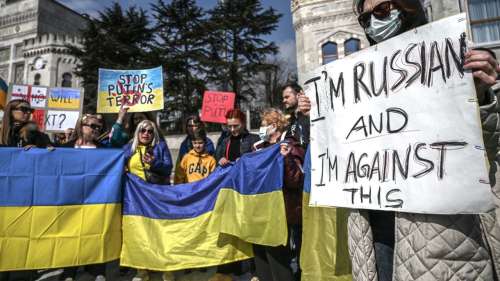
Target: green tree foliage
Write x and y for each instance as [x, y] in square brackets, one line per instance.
[181, 40]
[238, 50]
[117, 39]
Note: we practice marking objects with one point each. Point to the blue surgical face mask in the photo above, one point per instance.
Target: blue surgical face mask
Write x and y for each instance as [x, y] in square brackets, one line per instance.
[380, 30]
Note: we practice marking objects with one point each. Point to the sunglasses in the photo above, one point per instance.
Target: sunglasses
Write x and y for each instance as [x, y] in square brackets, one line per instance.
[24, 109]
[94, 127]
[380, 12]
[148, 131]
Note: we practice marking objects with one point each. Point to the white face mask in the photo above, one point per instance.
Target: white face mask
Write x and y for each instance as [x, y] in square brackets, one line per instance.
[266, 132]
[380, 30]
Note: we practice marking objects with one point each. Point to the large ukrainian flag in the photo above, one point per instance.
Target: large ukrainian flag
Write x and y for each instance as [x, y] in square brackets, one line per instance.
[324, 255]
[59, 208]
[169, 228]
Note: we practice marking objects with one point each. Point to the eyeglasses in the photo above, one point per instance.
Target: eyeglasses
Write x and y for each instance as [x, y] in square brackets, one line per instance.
[148, 131]
[94, 127]
[380, 12]
[24, 109]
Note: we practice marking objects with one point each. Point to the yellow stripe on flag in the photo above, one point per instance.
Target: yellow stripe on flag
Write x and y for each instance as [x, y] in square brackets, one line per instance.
[59, 236]
[324, 255]
[258, 218]
[169, 245]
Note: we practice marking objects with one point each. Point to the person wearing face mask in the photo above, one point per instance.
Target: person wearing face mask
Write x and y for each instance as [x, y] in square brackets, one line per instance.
[403, 246]
[274, 263]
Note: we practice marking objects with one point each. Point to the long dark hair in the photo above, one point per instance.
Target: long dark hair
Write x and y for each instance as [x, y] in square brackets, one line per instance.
[7, 120]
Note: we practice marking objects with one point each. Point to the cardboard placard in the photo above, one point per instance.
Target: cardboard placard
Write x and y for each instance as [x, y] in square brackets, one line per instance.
[58, 120]
[64, 98]
[216, 105]
[396, 127]
[141, 90]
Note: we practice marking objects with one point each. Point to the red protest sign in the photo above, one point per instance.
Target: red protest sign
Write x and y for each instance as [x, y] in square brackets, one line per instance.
[39, 117]
[216, 105]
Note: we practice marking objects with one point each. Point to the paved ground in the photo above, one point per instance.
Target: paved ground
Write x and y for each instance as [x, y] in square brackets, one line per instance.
[112, 274]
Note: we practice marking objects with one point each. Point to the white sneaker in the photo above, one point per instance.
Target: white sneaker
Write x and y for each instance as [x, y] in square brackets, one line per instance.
[100, 278]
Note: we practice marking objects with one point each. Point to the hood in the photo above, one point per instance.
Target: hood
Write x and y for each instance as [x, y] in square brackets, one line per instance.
[195, 154]
[414, 15]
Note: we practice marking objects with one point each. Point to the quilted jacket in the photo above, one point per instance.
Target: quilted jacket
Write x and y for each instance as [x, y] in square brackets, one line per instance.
[438, 247]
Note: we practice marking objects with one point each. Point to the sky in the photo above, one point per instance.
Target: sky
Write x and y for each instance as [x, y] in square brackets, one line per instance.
[284, 35]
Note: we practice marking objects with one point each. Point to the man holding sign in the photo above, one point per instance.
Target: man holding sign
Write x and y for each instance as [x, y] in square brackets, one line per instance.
[406, 128]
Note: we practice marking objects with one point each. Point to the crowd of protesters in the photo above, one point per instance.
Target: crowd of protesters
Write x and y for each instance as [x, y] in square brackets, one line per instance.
[383, 245]
[148, 157]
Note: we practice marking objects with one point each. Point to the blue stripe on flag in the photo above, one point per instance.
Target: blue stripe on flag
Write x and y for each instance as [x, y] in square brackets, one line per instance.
[39, 177]
[254, 173]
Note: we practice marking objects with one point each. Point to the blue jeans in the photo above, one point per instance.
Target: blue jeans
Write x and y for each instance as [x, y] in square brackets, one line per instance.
[384, 259]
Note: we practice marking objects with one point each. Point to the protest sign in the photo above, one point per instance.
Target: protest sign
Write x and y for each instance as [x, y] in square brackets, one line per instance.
[64, 98]
[57, 120]
[216, 105]
[3, 93]
[39, 117]
[396, 127]
[19, 92]
[67, 102]
[141, 90]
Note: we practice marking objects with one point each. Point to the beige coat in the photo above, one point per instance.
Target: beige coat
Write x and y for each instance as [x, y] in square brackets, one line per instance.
[438, 247]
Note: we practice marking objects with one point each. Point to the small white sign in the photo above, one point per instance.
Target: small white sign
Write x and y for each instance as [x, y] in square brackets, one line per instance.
[38, 96]
[58, 120]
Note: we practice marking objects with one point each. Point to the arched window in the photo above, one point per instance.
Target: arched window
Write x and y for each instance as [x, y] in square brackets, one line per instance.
[67, 80]
[352, 46]
[37, 79]
[329, 51]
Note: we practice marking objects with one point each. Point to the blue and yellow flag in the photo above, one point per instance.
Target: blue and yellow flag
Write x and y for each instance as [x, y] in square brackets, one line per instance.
[59, 208]
[3, 93]
[324, 255]
[169, 228]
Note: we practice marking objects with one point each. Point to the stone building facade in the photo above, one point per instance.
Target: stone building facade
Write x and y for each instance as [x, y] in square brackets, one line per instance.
[33, 39]
[323, 27]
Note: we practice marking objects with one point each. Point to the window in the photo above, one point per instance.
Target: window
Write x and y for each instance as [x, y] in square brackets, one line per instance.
[37, 79]
[19, 73]
[4, 54]
[67, 80]
[352, 46]
[18, 51]
[485, 20]
[329, 51]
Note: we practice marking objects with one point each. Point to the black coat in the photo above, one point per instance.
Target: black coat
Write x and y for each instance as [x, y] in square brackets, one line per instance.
[247, 140]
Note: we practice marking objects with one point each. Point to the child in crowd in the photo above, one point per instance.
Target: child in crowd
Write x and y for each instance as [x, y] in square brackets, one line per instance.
[197, 164]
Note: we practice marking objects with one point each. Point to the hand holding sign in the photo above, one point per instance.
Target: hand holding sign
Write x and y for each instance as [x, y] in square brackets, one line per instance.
[216, 105]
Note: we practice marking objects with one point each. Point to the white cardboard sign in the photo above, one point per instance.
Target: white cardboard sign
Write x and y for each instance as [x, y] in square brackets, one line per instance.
[396, 127]
[59, 120]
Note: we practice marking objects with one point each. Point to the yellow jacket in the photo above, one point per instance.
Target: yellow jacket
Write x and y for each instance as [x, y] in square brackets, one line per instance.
[194, 167]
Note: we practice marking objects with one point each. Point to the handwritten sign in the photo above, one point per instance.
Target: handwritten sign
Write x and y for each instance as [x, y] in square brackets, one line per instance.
[396, 127]
[58, 120]
[20, 92]
[64, 98]
[216, 105]
[38, 96]
[141, 90]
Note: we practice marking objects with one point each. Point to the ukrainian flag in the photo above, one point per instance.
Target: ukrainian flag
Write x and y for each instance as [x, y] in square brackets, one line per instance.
[324, 255]
[3, 93]
[205, 223]
[59, 208]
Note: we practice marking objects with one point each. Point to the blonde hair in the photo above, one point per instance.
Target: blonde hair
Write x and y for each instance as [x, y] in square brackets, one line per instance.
[275, 116]
[142, 125]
